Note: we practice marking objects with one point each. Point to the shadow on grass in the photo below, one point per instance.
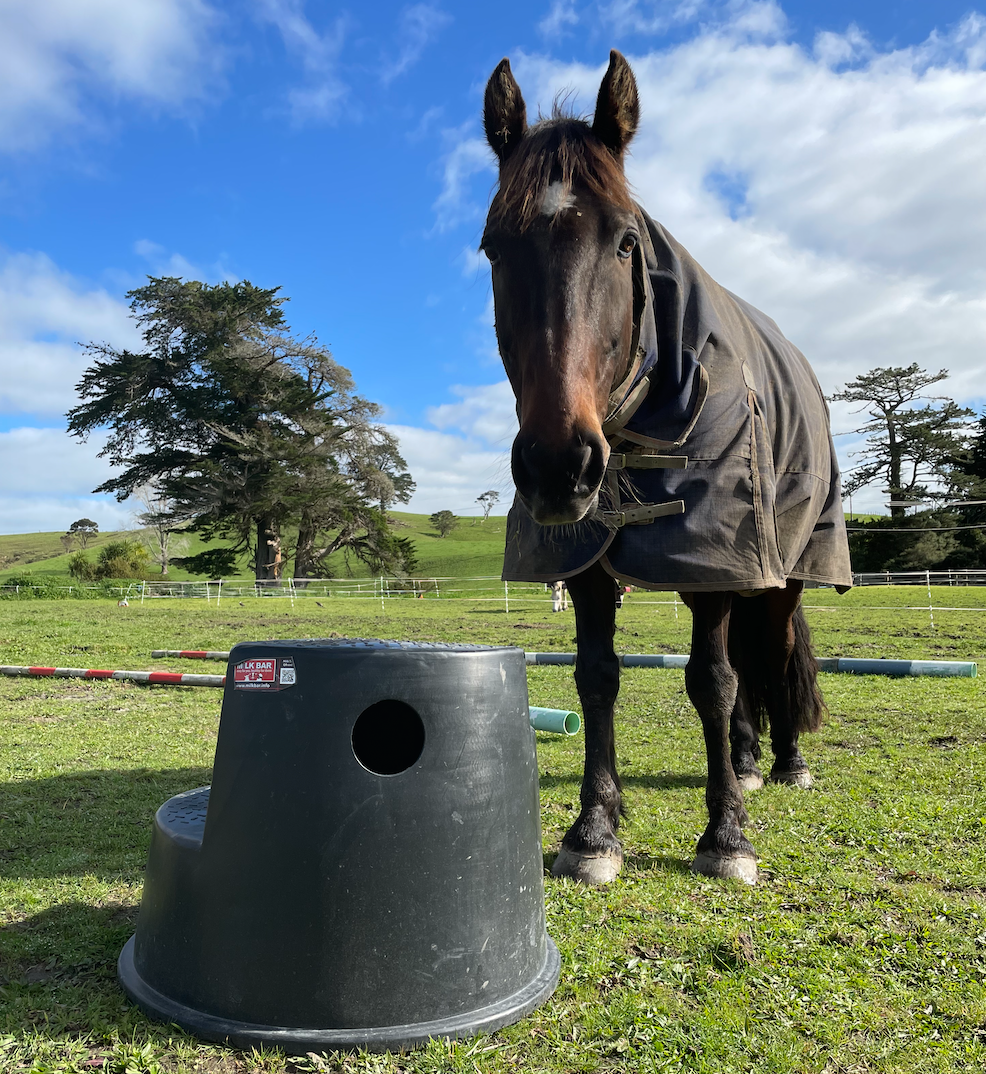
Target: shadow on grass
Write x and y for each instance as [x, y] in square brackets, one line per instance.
[657, 863]
[640, 862]
[657, 781]
[69, 944]
[58, 974]
[85, 823]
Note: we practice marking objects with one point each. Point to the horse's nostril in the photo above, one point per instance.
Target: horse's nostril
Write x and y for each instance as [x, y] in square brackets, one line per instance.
[523, 472]
[557, 474]
[593, 466]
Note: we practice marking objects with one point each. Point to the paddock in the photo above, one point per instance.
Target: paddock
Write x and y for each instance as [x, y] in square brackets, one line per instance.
[861, 949]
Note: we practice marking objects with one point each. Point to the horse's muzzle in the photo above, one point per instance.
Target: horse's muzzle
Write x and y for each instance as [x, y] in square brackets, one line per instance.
[558, 484]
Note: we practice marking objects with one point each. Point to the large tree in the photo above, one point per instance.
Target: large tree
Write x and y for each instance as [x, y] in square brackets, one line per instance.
[242, 427]
[911, 449]
[159, 522]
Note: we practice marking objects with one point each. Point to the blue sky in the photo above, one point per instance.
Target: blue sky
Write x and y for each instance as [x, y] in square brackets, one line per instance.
[824, 160]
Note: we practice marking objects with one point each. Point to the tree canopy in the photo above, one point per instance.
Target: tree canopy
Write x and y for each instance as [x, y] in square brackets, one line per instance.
[444, 522]
[244, 429]
[82, 530]
[911, 449]
[486, 500]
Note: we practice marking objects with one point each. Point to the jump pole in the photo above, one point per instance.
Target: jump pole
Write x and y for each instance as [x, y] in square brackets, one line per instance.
[156, 678]
[964, 669]
[191, 654]
[846, 665]
[555, 721]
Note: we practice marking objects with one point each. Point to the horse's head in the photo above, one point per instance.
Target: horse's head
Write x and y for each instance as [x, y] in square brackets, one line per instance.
[560, 238]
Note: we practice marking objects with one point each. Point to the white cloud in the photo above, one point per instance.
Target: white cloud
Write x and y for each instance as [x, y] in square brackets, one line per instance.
[626, 17]
[839, 189]
[319, 97]
[46, 479]
[161, 263]
[486, 412]
[319, 52]
[44, 314]
[473, 261]
[561, 15]
[50, 461]
[451, 471]
[466, 452]
[59, 57]
[468, 157]
[418, 26]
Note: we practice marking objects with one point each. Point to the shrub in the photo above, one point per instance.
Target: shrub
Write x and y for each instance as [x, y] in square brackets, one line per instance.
[81, 567]
[122, 559]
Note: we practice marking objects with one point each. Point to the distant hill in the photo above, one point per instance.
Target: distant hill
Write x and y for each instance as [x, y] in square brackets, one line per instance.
[472, 549]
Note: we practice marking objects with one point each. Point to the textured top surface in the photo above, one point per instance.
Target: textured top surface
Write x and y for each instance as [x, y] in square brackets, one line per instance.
[379, 645]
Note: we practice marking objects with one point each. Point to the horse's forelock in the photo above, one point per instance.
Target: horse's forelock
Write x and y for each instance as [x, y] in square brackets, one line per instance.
[560, 150]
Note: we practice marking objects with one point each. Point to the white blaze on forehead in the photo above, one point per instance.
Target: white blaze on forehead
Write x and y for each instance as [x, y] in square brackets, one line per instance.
[556, 198]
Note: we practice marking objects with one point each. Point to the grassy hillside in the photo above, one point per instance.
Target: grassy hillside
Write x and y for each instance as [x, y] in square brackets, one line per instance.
[42, 554]
[473, 548]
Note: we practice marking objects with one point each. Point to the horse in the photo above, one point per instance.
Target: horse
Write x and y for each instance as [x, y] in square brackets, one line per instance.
[669, 437]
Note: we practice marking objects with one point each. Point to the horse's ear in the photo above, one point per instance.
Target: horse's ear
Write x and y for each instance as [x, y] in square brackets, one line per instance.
[617, 106]
[504, 111]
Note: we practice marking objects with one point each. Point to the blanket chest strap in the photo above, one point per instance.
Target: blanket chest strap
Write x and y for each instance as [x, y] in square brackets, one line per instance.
[647, 512]
[637, 461]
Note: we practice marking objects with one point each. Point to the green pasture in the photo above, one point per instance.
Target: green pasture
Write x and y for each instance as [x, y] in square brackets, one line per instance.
[863, 948]
[473, 548]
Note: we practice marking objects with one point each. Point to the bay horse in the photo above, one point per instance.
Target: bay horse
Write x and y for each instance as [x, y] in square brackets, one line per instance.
[670, 437]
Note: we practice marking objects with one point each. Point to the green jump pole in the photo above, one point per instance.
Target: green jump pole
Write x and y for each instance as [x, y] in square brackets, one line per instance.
[557, 721]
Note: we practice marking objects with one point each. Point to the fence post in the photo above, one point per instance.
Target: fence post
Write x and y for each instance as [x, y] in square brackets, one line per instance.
[506, 599]
[219, 592]
[931, 610]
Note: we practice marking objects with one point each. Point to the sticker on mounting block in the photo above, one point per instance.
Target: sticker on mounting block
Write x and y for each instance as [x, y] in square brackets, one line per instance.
[264, 673]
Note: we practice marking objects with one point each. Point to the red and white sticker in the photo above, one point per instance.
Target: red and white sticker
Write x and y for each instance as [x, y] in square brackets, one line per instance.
[264, 673]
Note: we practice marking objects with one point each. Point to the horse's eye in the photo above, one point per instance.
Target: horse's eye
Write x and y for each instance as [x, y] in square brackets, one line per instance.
[627, 243]
[491, 252]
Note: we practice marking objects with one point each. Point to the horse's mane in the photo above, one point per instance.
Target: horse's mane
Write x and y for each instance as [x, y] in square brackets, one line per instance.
[561, 149]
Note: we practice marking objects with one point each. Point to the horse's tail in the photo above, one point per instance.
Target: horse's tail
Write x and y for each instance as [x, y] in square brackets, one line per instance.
[798, 694]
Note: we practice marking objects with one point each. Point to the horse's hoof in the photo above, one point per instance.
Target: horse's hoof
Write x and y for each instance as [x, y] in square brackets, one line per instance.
[750, 781]
[594, 869]
[726, 867]
[799, 777]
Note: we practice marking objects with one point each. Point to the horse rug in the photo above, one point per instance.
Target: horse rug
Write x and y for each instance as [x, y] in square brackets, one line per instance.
[723, 474]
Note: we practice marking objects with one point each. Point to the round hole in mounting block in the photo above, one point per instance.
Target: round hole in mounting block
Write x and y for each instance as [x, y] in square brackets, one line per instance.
[388, 737]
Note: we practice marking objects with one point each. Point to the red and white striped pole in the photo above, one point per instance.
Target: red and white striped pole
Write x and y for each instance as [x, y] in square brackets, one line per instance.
[161, 678]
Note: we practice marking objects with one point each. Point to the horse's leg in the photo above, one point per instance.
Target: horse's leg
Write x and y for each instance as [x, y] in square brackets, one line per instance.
[744, 742]
[711, 682]
[794, 703]
[744, 733]
[590, 851]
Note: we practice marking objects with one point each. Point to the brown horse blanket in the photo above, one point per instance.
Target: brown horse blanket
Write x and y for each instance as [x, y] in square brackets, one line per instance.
[723, 475]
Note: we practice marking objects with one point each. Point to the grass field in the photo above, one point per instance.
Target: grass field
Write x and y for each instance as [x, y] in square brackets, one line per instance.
[863, 948]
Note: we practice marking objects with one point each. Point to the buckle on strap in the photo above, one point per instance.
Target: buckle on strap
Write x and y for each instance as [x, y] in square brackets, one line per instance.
[635, 516]
[638, 461]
